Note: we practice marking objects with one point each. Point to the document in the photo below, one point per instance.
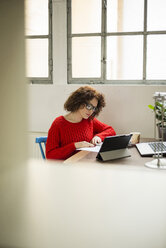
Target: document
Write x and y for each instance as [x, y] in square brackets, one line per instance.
[91, 149]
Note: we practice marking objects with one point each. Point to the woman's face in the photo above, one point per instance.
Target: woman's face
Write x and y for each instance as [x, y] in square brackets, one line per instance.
[88, 108]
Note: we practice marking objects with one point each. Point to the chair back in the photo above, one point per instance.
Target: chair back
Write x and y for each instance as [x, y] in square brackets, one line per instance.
[42, 140]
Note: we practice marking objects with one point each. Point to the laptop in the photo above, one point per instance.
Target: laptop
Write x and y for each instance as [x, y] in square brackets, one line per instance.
[151, 148]
[114, 147]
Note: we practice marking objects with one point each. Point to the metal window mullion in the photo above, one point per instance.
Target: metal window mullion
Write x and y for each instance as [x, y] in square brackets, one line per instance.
[37, 36]
[125, 33]
[156, 32]
[39, 81]
[50, 59]
[145, 41]
[125, 82]
[69, 42]
[103, 40]
[84, 35]
[134, 82]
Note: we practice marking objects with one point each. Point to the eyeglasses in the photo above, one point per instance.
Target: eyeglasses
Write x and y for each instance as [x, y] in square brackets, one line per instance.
[89, 106]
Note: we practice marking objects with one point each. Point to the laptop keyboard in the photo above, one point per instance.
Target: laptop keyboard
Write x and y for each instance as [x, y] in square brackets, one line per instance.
[158, 146]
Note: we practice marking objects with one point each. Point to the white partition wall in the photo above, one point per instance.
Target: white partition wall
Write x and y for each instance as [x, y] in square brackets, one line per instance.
[13, 114]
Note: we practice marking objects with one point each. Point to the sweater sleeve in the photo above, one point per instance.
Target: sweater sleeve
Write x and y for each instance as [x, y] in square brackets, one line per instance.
[53, 148]
[102, 130]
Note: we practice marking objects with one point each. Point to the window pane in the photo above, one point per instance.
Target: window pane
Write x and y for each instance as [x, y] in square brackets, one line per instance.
[156, 57]
[37, 57]
[86, 16]
[36, 17]
[125, 15]
[124, 57]
[86, 57]
[156, 15]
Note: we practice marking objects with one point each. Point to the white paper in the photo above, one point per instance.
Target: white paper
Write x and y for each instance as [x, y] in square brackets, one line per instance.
[91, 149]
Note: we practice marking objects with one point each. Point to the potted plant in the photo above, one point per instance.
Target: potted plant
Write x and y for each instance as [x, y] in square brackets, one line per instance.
[160, 110]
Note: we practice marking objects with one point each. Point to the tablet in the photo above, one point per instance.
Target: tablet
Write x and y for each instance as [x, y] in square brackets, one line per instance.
[114, 147]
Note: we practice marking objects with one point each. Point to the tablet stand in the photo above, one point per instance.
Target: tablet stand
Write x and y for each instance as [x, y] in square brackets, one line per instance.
[114, 154]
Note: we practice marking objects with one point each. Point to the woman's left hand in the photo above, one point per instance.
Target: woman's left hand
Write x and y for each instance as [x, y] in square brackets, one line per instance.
[95, 140]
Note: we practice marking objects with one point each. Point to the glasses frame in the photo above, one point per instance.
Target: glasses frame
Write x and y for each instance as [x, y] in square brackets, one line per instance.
[89, 106]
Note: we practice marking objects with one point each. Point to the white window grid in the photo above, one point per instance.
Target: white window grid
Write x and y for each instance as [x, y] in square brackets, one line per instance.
[104, 35]
[49, 79]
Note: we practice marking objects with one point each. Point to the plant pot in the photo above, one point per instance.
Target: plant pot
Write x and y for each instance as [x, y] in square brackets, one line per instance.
[162, 131]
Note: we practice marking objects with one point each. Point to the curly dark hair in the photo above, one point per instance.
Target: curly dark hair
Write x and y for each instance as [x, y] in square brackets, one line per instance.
[82, 96]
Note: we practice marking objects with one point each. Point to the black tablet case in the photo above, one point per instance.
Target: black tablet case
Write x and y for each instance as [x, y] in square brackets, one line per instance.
[114, 147]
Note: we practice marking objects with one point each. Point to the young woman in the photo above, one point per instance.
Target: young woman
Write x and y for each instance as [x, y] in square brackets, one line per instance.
[79, 127]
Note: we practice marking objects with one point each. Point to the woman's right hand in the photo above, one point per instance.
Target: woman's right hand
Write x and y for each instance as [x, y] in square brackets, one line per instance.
[82, 144]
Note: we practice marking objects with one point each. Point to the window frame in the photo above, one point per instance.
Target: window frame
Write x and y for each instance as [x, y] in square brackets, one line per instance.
[104, 35]
[49, 79]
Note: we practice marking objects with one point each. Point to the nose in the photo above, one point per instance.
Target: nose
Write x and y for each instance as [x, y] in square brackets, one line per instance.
[91, 110]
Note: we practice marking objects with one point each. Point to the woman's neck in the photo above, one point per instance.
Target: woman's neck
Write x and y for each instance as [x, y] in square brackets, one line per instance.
[73, 117]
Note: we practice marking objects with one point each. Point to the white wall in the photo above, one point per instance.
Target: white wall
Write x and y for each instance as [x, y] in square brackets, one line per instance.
[127, 106]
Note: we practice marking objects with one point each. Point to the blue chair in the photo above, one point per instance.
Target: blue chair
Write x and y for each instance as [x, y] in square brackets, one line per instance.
[40, 141]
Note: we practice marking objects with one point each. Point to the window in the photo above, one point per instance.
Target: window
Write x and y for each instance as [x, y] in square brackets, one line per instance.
[38, 31]
[116, 41]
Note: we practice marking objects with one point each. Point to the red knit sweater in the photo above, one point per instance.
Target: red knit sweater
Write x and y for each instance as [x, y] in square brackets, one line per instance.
[63, 134]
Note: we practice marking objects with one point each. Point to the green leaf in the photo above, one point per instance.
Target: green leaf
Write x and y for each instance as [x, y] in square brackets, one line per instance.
[151, 106]
[159, 104]
[160, 109]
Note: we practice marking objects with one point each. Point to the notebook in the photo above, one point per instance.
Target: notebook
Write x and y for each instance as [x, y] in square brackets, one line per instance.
[151, 148]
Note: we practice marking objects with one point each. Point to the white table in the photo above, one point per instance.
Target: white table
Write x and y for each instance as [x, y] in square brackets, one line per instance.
[82, 205]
